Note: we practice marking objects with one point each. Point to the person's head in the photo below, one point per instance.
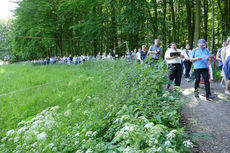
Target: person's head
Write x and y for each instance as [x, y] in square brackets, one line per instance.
[114, 51]
[224, 44]
[228, 42]
[157, 42]
[201, 43]
[188, 47]
[173, 45]
[135, 50]
[182, 46]
[143, 47]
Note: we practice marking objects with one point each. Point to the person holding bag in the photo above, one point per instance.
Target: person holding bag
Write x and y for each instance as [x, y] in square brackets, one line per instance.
[174, 62]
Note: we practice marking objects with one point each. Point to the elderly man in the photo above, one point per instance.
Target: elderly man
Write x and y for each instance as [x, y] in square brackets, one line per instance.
[200, 57]
[155, 51]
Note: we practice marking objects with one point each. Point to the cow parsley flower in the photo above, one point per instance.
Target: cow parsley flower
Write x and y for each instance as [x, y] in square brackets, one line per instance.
[171, 135]
[9, 133]
[42, 136]
[89, 151]
[68, 113]
[167, 143]
[79, 151]
[149, 125]
[188, 144]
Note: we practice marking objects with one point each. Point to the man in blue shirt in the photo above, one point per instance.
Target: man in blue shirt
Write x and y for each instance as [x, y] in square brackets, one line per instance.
[200, 57]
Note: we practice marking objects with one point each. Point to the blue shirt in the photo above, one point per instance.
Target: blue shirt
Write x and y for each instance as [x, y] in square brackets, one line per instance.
[143, 54]
[204, 54]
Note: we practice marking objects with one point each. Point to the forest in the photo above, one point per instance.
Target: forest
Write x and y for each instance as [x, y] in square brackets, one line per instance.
[42, 28]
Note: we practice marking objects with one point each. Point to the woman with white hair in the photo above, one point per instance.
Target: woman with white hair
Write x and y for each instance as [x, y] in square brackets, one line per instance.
[225, 54]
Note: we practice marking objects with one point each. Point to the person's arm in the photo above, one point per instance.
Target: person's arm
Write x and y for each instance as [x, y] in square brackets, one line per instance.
[195, 59]
[151, 52]
[167, 55]
[192, 59]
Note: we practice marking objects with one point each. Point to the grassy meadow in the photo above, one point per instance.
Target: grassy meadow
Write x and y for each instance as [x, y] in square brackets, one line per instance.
[102, 106]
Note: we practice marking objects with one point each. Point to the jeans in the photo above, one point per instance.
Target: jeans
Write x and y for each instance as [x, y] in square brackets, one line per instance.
[205, 75]
[175, 72]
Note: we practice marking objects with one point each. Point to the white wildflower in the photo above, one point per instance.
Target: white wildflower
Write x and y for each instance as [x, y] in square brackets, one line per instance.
[68, 113]
[22, 122]
[79, 151]
[188, 144]
[54, 108]
[90, 133]
[16, 139]
[69, 105]
[51, 145]
[76, 142]
[9, 133]
[149, 125]
[129, 150]
[143, 118]
[89, 151]
[4, 139]
[41, 136]
[171, 135]
[85, 112]
[167, 143]
[78, 100]
[77, 134]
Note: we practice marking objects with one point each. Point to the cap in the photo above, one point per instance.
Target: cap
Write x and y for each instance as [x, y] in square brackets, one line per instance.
[202, 42]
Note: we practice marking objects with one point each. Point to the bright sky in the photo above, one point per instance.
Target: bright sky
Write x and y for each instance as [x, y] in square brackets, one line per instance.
[6, 6]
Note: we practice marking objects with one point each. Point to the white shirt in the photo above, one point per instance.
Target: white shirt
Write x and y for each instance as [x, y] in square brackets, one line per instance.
[138, 55]
[186, 54]
[172, 61]
[227, 52]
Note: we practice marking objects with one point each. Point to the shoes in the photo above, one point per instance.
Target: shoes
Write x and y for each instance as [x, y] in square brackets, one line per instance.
[227, 92]
[196, 94]
[187, 79]
[210, 97]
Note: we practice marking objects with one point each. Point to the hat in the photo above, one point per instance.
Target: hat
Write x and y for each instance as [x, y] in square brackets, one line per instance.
[202, 42]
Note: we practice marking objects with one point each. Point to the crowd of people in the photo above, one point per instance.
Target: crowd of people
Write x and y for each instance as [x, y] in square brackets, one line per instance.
[183, 61]
[75, 59]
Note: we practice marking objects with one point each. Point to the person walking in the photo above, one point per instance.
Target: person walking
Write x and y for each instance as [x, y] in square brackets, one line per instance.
[154, 51]
[187, 62]
[225, 54]
[174, 62]
[200, 57]
[219, 59]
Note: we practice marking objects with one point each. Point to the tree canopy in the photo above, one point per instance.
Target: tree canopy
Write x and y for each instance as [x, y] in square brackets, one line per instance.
[59, 27]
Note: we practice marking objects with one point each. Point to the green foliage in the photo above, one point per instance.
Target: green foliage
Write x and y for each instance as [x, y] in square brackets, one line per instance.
[101, 25]
[103, 106]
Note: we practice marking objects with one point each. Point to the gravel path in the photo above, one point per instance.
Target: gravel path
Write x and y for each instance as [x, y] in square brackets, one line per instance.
[209, 119]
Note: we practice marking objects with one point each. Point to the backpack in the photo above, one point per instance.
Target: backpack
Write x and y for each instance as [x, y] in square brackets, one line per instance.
[226, 68]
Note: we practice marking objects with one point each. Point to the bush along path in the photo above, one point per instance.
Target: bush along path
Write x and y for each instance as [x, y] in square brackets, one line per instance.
[208, 121]
[134, 114]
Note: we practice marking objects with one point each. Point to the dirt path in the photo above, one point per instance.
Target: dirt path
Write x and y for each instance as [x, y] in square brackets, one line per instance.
[208, 118]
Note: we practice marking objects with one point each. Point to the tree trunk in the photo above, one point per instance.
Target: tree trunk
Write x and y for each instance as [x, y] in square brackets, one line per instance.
[197, 22]
[205, 19]
[213, 38]
[173, 21]
[189, 22]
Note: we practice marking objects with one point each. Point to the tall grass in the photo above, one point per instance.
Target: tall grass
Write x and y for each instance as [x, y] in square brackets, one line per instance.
[102, 106]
